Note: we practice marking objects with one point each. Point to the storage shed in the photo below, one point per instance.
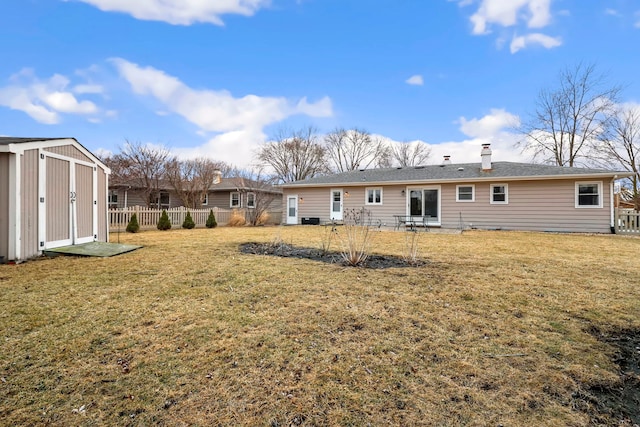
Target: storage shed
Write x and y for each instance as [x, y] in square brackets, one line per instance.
[53, 193]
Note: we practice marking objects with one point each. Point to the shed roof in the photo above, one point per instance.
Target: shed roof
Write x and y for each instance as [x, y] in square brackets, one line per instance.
[6, 140]
[462, 172]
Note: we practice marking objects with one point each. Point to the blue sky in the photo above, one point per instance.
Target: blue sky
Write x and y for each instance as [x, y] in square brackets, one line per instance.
[216, 78]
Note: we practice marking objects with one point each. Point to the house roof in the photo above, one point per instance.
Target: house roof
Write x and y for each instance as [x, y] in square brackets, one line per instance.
[463, 172]
[225, 184]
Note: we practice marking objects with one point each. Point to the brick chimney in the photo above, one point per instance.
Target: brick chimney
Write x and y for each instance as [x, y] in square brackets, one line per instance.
[485, 154]
[447, 160]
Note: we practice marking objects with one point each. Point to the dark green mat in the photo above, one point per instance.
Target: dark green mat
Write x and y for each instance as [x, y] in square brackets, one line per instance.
[100, 249]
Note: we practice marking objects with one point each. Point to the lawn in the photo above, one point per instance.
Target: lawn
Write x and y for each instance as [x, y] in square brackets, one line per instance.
[494, 328]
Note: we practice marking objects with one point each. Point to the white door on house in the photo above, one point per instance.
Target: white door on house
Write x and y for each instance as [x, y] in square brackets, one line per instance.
[292, 210]
[425, 202]
[336, 205]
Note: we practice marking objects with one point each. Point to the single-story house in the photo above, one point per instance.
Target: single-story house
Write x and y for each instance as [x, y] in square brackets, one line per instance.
[228, 193]
[53, 192]
[485, 195]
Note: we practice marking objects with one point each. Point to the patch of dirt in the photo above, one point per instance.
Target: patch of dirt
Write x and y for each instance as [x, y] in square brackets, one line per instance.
[618, 404]
[373, 261]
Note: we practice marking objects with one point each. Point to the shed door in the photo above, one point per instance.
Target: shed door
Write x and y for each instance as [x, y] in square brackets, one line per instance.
[58, 203]
[70, 202]
[83, 220]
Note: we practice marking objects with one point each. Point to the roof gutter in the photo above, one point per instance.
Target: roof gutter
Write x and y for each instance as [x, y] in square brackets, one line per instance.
[614, 175]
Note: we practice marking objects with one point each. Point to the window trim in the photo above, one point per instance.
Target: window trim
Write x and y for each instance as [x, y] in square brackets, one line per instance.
[366, 195]
[253, 205]
[600, 204]
[473, 193]
[157, 199]
[110, 198]
[506, 194]
[205, 202]
[231, 194]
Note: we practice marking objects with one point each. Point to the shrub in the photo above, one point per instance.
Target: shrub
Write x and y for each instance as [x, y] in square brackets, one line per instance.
[262, 218]
[211, 220]
[237, 219]
[188, 222]
[164, 223]
[133, 226]
[356, 241]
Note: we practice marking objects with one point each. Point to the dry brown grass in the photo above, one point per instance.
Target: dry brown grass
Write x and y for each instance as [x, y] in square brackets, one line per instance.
[188, 331]
[237, 219]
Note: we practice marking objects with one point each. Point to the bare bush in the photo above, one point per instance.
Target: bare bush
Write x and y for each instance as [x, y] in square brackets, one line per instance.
[327, 233]
[355, 237]
[411, 249]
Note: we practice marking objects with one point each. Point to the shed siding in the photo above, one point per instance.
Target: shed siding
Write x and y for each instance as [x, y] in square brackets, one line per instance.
[69, 151]
[57, 199]
[533, 205]
[29, 204]
[102, 206]
[4, 205]
[84, 200]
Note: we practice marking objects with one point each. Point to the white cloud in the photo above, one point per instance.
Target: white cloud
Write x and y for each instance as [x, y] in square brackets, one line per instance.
[519, 14]
[494, 128]
[239, 121]
[611, 12]
[489, 125]
[521, 42]
[215, 111]
[43, 100]
[415, 80]
[181, 12]
[236, 147]
[637, 16]
[536, 13]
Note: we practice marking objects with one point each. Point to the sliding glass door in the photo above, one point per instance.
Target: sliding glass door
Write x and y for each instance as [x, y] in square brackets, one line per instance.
[425, 202]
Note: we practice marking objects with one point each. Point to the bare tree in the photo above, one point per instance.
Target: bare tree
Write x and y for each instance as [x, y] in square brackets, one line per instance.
[620, 147]
[144, 163]
[410, 153]
[257, 191]
[192, 179]
[353, 149]
[293, 155]
[571, 117]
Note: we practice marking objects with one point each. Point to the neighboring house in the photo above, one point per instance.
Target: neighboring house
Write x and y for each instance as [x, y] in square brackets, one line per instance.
[486, 195]
[53, 192]
[229, 193]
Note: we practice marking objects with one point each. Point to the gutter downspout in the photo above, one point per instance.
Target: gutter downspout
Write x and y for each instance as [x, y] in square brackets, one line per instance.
[613, 215]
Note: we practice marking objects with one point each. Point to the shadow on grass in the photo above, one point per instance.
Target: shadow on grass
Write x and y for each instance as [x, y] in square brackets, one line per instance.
[285, 250]
[615, 404]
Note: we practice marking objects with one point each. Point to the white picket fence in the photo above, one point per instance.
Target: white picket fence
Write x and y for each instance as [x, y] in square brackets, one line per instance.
[148, 218]
[627, 222]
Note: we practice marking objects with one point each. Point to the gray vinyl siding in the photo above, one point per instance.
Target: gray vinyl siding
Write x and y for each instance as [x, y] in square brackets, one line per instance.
[541, 205]
[533, 205]
[69, 151]
[29, 204]
[103, 225]
[219, 200]
[316, 202]
[4, 205]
